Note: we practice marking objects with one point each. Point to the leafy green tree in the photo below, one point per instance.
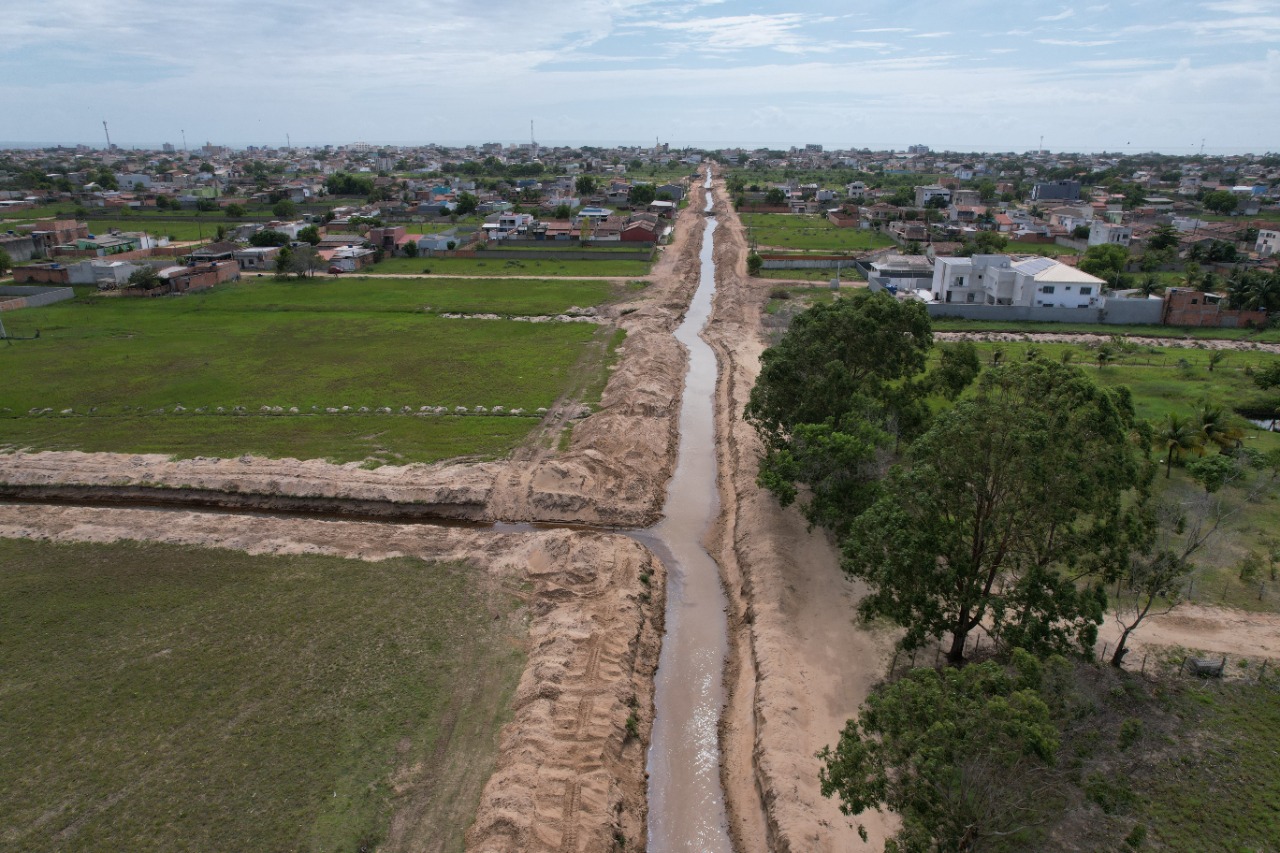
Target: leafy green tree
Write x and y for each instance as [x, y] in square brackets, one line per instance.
[642, 194]
[284, 209]
[207, 168]
[467, 204]
[775, 196]
[1163, 237]
[833, 395]
[961, 755]
[586, 185]
[562, 211]
[269, 238]
[1002, 506]
[206, 205]
[106, 179]
[284, 262]
[302, 261]
[6, 262]
[146, 278]
[411, 249]
[234, 211]
[163, 202]
[310, 234]
[958, 366]
[342, 183]
[1220, 201]
[754, 264]
[1106, 261]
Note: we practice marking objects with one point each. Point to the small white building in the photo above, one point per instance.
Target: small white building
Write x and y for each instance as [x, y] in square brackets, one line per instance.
[1268, 242]
[1107, 234]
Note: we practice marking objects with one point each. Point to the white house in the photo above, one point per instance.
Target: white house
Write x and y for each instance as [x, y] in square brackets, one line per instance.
[1000, 280]
[926, 194]
[1268, 242]
[1107, 234]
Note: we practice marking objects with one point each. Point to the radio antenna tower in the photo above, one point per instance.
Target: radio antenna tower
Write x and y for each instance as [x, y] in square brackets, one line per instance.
[107, 132]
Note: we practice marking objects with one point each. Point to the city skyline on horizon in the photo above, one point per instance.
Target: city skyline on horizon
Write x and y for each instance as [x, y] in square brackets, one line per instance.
[973, 75]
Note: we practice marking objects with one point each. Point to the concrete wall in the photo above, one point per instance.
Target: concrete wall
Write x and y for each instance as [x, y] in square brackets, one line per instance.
[13, 298]
[20, 248]
[1142, 312]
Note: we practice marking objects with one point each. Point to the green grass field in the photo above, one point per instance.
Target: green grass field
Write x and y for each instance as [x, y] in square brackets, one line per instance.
[1219, 789]
[168, 698]
[323, 344]
[809, 233]
[497, 266]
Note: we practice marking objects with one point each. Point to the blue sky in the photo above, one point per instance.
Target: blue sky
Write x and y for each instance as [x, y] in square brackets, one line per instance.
[1135, 75]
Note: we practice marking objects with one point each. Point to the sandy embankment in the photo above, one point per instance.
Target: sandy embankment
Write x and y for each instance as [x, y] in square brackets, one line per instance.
[1094, 339]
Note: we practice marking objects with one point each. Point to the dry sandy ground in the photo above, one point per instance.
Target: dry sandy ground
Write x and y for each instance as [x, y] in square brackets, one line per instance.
[568, 777]
[1212, 630]
[1087, 339]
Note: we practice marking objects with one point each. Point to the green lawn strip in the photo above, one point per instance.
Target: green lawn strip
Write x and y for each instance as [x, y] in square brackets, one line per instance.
[498, 266]
[263, 359]
[809, 232]
[166, 698]
[367, 294]
[255, 345]
[185, 228]
[388, 439]
[1221, 788]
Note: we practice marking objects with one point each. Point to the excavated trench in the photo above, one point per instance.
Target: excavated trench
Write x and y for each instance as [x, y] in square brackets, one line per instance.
[686, 799]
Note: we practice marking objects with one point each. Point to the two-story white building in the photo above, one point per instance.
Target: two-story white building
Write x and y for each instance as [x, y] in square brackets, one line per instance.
[1268, 242]
[1001, 280]
[1102, 233]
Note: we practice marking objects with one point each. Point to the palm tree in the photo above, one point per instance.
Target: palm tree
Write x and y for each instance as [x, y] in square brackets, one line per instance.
[1217, 427]
[1178, 436]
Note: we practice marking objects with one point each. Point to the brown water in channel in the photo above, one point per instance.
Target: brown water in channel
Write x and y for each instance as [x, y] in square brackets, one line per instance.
[686, 800]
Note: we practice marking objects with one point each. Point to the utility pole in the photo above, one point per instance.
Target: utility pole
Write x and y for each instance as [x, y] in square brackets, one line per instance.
[107, 132]
[185, 154]
[288, 142]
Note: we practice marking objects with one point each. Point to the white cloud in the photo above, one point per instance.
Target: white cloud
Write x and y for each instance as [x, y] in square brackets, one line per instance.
[1061, 16]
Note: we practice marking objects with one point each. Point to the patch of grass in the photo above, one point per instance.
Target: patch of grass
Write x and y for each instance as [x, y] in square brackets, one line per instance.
[595, 388]
[809, 232]
[388, 439]
[1223, 780]
[161, 697]
[796, 298]
[823, 275]
[496, 265]
[373, 294]
[240, 347]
